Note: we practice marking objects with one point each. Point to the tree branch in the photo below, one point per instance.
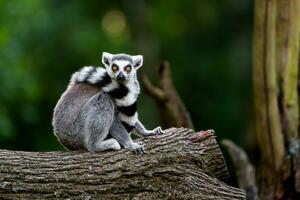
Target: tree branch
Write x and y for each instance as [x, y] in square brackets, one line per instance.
[245, 171]
[178, 164]
[172, 110]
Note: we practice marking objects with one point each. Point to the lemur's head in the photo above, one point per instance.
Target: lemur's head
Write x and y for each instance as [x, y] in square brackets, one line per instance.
[121, 67]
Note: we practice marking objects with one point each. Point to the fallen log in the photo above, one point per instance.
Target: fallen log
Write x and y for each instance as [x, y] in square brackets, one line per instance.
[180, 164]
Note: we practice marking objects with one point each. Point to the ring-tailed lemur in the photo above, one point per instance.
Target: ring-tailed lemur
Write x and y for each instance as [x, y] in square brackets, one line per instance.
[98, 110]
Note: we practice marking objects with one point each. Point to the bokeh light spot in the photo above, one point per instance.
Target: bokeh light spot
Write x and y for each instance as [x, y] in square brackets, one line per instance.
[114, 22]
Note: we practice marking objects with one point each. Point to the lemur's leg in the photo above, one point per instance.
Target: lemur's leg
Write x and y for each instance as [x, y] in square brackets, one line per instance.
[119, 133]
[142, 131]
[97, 116]
[95, 139]
[107, 144]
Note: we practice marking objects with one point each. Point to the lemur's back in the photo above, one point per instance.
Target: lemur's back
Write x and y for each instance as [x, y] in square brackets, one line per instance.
[67, 112]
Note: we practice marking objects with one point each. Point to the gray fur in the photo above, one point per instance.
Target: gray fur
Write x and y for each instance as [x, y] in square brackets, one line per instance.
[86, 116]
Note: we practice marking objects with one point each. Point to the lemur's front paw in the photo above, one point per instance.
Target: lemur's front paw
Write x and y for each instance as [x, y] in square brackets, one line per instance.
[158, 131]
[137, 148]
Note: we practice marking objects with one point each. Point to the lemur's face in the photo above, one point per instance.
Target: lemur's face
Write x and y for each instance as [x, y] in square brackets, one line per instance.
[121, 67]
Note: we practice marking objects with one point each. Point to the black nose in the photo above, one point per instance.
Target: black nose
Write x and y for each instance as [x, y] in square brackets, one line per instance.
[121, 77]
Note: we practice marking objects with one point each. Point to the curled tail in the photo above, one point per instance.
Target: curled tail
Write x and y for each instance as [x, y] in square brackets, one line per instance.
[91, 75]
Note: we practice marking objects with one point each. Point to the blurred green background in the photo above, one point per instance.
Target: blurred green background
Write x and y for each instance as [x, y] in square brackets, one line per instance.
[208, 43]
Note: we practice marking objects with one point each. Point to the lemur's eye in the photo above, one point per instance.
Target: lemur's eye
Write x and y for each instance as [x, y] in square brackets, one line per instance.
[128, 68]
[114, 67]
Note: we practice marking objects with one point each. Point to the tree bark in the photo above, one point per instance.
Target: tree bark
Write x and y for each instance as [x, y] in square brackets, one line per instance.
[275, 72]
[178, 164]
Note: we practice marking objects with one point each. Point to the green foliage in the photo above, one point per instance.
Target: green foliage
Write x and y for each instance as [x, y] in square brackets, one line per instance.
[42, 42]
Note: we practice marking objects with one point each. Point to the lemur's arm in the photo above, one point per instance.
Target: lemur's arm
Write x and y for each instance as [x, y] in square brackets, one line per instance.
[142, 131]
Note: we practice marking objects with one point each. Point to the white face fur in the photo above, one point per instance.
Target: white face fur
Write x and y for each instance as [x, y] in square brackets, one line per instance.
[122, 67]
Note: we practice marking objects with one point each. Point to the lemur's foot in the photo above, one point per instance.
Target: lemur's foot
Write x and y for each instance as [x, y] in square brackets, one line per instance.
[158, 131]
[137, 148]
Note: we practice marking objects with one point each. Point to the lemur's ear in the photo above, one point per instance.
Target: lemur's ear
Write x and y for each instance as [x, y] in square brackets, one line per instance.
[106, 58]
[137, 61]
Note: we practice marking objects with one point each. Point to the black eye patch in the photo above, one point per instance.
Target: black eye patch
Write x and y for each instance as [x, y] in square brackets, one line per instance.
[127, 68]
[115, 67]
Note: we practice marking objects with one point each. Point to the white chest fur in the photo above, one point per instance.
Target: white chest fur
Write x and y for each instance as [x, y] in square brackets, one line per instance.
[132, 95]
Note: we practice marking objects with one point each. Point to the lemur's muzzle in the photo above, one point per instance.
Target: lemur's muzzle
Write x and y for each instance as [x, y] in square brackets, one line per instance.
[121, 77]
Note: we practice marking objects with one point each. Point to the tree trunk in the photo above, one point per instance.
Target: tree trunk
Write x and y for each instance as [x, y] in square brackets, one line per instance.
[179, 164]
[275, 72]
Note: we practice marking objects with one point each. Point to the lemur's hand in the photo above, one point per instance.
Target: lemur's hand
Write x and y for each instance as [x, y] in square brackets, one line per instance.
[158, 131]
